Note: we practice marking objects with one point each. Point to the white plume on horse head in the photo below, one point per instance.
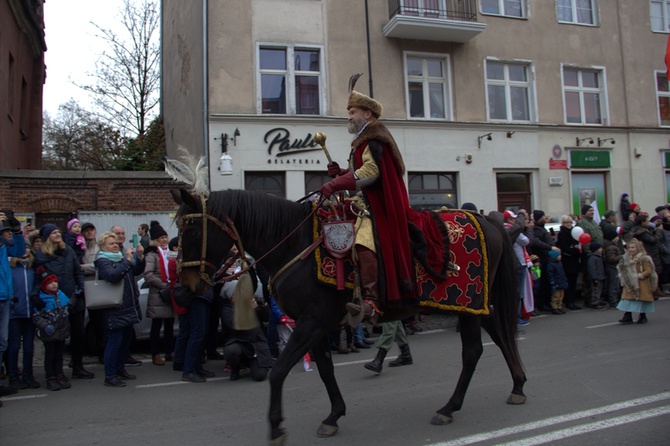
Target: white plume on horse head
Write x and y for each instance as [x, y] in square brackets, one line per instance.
[192, 171]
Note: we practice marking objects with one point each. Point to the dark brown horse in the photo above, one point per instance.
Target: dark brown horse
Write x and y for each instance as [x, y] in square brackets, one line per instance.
[277, 231]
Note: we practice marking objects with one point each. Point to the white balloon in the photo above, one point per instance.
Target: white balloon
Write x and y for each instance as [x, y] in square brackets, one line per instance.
[576, 232]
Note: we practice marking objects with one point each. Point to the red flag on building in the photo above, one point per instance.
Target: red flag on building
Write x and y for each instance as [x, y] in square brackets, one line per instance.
[667, 58]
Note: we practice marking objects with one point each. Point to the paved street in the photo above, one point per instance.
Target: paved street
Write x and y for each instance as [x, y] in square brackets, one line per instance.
[590, 381]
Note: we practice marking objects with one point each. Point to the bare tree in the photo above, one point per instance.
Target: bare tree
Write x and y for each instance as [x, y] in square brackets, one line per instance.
[127, 75]
[77, 140]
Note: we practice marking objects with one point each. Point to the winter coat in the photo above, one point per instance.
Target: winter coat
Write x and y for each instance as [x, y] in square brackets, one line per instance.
[557, 277]
[609, 229]
[571, 253]
[596, 267]
[591, 228]
[64, 264]
[664, 248]
[23, 277]
[156, 308]
[71, 241]
[541, 243]
[15, 248]
[628, 271]
[113, 272]
[612, 253]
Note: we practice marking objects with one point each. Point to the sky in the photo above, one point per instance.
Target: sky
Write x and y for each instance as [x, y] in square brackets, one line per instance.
[72, 47]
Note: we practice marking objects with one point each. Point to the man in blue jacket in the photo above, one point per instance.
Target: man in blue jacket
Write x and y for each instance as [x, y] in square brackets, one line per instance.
[12, 244]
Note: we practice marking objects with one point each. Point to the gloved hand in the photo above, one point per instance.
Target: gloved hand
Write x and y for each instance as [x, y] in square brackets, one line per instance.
[15, 225]
[334, 170]
[344, 182]
[37, 303]
[285, 320]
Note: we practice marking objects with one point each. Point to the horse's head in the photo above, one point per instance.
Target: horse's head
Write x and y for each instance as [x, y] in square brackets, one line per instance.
[204, 241]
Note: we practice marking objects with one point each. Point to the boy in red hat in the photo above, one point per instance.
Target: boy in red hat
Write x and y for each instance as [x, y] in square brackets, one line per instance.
[51, 298]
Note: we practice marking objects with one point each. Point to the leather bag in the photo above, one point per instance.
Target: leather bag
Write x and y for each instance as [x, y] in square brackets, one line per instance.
[101, 294]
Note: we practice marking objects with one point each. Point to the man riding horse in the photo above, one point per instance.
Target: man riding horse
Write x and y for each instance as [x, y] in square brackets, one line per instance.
[376, 170]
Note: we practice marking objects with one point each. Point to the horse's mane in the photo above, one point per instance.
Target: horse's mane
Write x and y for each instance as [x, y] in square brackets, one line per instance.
[263, 215]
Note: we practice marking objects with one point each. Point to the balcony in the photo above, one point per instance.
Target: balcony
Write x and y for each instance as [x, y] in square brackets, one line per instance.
[436, 20]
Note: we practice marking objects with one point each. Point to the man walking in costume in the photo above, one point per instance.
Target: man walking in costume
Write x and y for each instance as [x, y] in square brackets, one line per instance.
[382, 243]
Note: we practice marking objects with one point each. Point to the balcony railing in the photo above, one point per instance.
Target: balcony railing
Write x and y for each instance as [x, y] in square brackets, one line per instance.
[437, 20]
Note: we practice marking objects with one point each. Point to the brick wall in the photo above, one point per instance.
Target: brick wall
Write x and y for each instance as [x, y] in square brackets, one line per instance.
[40, 191]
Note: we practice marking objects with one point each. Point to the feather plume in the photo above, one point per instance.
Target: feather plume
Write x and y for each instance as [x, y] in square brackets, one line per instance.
[352, 81]
[191, 171]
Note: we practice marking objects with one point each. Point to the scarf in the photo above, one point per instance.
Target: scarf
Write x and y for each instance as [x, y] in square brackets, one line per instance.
[113, 256]
[163, 263]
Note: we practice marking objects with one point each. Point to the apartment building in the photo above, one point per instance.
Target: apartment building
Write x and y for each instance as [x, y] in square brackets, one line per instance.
[540, 104]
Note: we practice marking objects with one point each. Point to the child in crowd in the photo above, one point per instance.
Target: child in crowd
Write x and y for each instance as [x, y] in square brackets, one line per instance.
[558, 281]
[75, 240]
[596, 273]
[535, 274]
[50, 297]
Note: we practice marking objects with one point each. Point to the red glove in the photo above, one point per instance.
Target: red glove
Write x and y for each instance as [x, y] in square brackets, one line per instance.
[285, 320]
[334, 170]
[344, 182]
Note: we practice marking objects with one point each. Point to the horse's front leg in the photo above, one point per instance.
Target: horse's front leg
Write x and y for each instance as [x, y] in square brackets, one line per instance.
[307, 334]
[338, 408]
[471, 342]
[513, 361]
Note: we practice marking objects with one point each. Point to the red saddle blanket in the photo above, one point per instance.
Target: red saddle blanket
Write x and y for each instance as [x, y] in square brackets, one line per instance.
[465, 290]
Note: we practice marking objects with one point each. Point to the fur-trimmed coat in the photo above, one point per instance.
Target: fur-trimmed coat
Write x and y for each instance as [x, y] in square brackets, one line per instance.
[635, 288]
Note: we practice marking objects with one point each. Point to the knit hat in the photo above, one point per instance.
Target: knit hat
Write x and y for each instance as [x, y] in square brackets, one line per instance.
[71, 223]
[173, 243]
[660, 208]
[633, 206]
[624, 195]
[156, 230]
[45, 277]
[656, 218]
[508, 214]
[47, 229]
[469, 206]
[534, 258]
[537, 215]
[34, 236]
[594, 246]
[554, 254]
[586, 208]
[609, 213]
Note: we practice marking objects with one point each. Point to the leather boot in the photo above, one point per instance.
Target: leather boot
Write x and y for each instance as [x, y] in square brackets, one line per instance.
[405, 357]
[642, 319]
[368, 272]
[627, 318]
[376, 364]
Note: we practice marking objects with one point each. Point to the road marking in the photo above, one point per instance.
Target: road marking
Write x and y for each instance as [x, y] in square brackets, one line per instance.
[25, 397]
[174, 383]
[589, 427]
[471, 439]
[609, 324]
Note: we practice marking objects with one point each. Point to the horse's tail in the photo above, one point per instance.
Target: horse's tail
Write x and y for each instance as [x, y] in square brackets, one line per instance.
[505, 296]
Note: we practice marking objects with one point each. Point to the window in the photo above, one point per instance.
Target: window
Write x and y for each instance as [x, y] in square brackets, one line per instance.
[663, 95]
[432, 190]
[423, 8]
[584, 96]
[314, 181]
[580, 12]
[509, 8]
[291, 80]
[509, 92]
[427, 87]
[659, 11]
[272, 183]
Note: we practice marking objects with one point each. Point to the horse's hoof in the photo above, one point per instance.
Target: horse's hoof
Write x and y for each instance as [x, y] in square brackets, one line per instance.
[326, 431]
[281, 440]
[516, 399]
[441, 420]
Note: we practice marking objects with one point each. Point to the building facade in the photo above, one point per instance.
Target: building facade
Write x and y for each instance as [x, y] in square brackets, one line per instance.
[540, 104]
[22, 75]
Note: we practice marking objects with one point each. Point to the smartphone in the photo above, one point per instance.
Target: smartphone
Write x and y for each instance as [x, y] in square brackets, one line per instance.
[29, 221]
[135, 240]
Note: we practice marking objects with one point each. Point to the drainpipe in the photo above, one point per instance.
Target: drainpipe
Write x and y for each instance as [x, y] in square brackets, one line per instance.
[205, 90]
[367, 32]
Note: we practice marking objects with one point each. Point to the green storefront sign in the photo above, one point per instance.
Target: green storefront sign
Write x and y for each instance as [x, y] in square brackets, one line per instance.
[590, 158]
[666, 159]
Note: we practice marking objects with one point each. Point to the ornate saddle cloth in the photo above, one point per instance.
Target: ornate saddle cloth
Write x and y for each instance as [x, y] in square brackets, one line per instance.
[465, 290]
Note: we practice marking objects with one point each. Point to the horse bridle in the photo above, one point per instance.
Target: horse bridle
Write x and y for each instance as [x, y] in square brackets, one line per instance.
[228, 227]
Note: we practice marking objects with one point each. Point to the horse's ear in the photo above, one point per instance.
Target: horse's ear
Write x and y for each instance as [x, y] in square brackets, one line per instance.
[176, 196]
[184, 197]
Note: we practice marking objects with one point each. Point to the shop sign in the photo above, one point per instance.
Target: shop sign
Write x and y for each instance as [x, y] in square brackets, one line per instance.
[666, 159]
[280, 139]
[590, 158]
[558, 164]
